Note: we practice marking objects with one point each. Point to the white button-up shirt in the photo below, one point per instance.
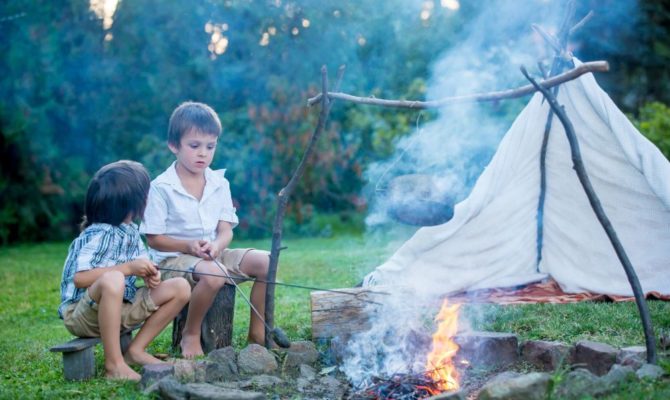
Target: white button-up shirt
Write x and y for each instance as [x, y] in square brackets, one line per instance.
[173, 212]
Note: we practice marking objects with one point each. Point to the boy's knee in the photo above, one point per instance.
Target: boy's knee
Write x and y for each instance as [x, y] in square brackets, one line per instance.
[213, 282]
[112, 281]
[182, 289]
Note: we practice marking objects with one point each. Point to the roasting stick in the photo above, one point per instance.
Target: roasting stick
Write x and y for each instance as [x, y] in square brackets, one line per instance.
[293, 285]
[278, 334]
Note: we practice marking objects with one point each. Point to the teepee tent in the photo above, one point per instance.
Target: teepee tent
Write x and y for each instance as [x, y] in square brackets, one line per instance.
[491, 241]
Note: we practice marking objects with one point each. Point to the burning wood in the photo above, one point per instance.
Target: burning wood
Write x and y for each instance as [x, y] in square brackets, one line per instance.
[399, 386]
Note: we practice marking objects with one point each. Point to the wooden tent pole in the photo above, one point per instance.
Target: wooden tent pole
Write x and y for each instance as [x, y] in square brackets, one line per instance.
[282, 202]
[593, 66]
[602, 217]
[559, 45]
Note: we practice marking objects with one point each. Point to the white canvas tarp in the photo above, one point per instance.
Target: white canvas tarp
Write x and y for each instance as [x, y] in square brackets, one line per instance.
[491, 240]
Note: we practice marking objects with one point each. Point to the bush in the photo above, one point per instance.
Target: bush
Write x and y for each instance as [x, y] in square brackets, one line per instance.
[654, 123]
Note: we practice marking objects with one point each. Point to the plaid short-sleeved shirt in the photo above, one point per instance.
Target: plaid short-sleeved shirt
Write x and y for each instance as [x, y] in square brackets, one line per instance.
[100, 246]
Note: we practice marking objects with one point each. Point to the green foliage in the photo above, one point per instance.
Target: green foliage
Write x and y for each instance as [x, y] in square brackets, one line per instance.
[77, 94]
[654, 122]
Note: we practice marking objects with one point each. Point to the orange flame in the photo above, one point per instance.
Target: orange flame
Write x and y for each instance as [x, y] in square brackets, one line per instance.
[439, 364]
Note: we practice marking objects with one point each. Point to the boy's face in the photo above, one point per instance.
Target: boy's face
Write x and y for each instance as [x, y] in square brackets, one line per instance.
[195, 151]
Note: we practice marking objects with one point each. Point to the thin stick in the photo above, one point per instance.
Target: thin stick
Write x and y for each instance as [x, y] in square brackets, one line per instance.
[557, 65]
[285, 193]
[579, 25]
[597, 207]
[594, 66]
[293, 285]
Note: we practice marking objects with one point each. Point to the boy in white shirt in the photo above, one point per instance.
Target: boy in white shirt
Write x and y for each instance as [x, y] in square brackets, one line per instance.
[189, 220]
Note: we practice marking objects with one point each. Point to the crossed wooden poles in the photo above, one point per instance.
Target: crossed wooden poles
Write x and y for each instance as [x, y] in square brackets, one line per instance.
[326, 97]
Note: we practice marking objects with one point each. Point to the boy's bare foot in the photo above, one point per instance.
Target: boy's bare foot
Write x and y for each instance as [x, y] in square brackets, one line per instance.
[191, 347]
[122, 372]
[140, 358]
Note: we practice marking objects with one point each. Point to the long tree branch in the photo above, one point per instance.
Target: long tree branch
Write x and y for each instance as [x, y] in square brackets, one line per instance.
[282, 202]
[594, 66]
[597, 207]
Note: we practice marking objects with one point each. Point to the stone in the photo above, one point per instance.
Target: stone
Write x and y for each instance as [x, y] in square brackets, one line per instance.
[215, 372]
[170, 389]
[452, 395]
[256, 359]
[152, 373]
[533, 386]
[650, 371]
[206, 391]
[227, 358]
[184, 370]
[546, 356]
[596, 357]
[307, 372]
[633, 356]
[302, 384]
[301, 352]
[488, 349]
[580, 383]
[261, 382]
[334, 389]
[617, 375]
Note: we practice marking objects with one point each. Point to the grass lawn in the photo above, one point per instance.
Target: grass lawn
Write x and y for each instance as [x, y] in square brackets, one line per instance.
[29, 324]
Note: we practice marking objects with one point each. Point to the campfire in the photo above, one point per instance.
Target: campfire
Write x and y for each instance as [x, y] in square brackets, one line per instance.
[440, 373]
[440, 364]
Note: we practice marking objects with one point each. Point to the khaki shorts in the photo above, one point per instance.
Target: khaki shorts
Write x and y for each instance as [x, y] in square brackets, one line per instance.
[81, 318]
[185, 265]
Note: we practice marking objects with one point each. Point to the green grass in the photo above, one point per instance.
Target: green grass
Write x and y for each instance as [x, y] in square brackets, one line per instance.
[29, 324]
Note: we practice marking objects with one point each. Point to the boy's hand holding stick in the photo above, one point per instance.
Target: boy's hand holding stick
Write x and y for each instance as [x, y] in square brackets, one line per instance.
[145, 269]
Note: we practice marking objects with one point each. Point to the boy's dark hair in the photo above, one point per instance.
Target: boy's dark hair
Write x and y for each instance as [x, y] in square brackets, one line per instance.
[117, 190]
[191, 115]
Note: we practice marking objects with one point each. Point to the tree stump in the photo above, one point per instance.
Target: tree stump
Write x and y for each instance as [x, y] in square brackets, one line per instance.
[217, 327]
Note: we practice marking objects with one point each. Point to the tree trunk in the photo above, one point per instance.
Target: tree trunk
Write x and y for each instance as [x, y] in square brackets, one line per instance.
[217, 327]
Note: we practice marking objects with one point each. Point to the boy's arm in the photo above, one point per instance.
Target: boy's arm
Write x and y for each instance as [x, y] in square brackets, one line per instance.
[139, 267]
[224, 235]
[166, 243]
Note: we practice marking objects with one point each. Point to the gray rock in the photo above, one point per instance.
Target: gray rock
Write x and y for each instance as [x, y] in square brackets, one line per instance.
[633, 356]
[596, 357]
[333, 388]
[227, 358]
[256, 359]
[488, 349]
[206, 391]
[547, 356]
[184, 370]
[650, 371]
[580, 383]
[533, 386]
[261, 382]
[453, 395]
[307, 372]
[301, 352]
[153, 373]
[302, 384]
[618, 374]
[639, 351]
[215, 372]
[170, 389]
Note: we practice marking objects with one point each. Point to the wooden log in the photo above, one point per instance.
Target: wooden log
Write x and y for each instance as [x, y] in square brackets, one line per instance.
[342, 314]
[217, 327]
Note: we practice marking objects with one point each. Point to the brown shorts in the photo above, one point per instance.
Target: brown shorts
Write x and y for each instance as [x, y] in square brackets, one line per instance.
[185, 264]
[81, 318]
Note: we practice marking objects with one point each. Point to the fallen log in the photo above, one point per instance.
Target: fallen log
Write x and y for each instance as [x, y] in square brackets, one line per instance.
[342, 314]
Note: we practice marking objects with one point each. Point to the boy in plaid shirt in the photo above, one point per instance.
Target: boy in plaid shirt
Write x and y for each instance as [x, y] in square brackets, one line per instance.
[98, 293]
